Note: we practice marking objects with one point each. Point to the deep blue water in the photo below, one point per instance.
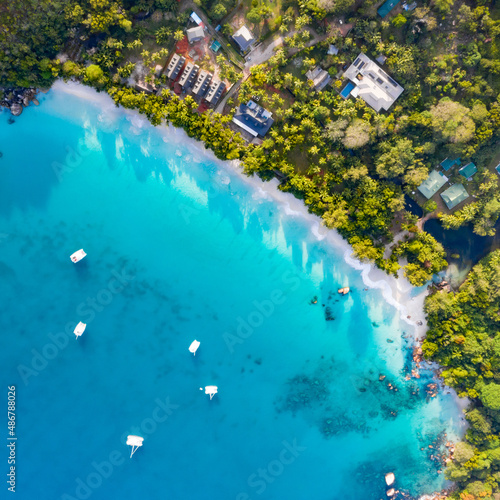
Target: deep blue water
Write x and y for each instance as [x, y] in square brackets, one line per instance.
[180, 247]
[463, 241]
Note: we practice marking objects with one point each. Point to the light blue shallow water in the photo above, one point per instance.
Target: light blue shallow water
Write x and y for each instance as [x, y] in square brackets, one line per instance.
[181, 247]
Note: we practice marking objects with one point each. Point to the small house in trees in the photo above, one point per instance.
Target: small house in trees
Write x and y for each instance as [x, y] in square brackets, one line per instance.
[372, 83]
[454, 195]
[244, 38]
[468, 170]
[195, 34]
[447, 163]
[253, 118]
[434, 182]
[319, 78]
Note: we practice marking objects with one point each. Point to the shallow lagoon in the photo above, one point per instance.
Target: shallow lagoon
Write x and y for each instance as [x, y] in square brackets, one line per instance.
[181, 246]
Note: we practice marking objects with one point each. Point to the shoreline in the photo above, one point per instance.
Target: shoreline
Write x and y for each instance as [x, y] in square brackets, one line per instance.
[398, 293]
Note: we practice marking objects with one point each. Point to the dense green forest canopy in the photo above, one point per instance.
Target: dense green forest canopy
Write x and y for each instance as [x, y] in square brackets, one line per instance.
[464, 337]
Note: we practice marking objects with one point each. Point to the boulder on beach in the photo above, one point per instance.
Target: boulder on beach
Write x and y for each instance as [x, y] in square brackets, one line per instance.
[390, 478]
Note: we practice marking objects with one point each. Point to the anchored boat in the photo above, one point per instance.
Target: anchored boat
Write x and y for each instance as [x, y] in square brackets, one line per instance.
[80, 328]
[135, 442]
[78, 256]
[211, 390]
[194, 347]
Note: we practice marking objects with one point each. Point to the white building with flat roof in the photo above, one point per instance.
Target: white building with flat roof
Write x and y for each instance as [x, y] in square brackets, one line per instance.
[373, 84]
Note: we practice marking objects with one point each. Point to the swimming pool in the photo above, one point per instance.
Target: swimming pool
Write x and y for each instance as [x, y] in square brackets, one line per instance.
[347, 90]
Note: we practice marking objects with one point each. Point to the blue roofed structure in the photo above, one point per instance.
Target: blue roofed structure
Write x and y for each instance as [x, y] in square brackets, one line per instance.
[195, 18]
[386, 7]
[215, 47]
[253, 118]
[468, 170]
[449, 162]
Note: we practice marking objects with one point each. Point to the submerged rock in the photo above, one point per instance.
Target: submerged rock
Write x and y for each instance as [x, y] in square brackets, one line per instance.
[390, 478]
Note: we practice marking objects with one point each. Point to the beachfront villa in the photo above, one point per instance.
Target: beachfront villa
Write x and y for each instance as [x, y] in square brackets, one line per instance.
[454, 195]
[253, 118]
[370, 82]
[434, 182]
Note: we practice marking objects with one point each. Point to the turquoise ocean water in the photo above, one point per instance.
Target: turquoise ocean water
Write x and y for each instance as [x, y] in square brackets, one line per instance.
[181, 247]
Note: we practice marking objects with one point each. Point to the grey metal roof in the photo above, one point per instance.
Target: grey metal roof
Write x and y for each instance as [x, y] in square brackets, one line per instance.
[189, 74]
[195, 34]
[215, 91]
[202, 83]
[254, 117]
[174, 66]
[243, 38]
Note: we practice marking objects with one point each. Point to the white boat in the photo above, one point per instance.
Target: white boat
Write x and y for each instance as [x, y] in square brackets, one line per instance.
[194, 347]
[135, 442]
[211, 390]
[80, 328]
[78, 256]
